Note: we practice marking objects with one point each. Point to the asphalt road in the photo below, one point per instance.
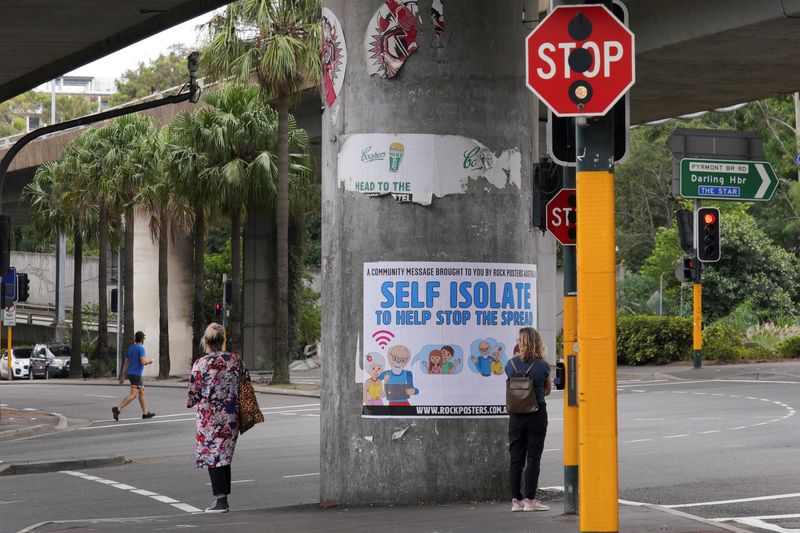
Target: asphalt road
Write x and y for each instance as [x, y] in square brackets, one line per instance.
[720, 449]
[276, 463]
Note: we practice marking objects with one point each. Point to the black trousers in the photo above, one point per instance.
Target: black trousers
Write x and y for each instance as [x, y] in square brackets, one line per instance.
[526, 435]
[220, 479]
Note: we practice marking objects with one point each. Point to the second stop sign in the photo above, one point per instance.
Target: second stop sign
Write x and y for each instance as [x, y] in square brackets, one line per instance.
[580, 60]
[561, 217]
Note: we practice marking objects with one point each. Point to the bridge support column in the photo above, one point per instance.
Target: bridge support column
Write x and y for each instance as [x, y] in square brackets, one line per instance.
[454, 85]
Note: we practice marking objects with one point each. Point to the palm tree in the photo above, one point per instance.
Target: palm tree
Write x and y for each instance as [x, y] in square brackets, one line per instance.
[120, 164]
[59, 201]
[169, 215]
[102, 193]
[279, 41]
[191, 155]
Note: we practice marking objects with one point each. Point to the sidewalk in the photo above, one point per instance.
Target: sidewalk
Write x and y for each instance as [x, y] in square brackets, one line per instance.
[469, 517]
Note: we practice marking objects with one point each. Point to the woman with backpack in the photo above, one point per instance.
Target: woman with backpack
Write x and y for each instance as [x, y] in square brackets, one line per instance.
[526, 432]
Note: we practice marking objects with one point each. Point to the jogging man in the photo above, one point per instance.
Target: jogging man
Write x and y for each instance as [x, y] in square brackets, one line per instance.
[133, 368]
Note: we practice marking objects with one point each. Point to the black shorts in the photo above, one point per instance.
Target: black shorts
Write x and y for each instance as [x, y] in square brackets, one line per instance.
[136, 381]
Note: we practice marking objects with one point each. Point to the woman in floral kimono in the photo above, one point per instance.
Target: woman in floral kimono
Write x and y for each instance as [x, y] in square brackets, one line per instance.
[214, 389]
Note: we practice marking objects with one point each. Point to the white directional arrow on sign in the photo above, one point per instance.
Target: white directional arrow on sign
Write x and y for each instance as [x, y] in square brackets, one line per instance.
[765, 181]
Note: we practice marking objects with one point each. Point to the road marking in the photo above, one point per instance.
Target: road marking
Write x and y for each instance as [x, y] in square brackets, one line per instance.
[649, 419]
[675, 436]
[636, 440]
[302, 475]
[122, 486]
[551, 450]
[186, 507]
[739, 500]
[239, 481]
[710, 418]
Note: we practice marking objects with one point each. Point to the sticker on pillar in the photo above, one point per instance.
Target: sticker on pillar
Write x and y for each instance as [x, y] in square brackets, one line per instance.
[391, 37]
[436, 336]
[334, 56]
[437, 17]
[416, 167]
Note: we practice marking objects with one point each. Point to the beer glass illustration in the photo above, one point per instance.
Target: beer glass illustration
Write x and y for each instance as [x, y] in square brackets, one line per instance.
[395, 156]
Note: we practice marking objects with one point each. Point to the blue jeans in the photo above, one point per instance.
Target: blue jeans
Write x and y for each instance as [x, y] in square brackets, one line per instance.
[526, 435]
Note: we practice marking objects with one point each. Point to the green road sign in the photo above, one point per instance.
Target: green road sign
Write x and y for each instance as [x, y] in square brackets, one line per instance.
[749, 181]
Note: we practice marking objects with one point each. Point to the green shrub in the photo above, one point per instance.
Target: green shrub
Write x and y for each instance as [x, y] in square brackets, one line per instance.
[721, 342]
[790, 347]
[653, 339]
[758, 351]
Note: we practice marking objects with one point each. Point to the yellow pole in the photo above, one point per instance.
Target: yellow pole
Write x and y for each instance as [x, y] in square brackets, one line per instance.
[597, 338]
[697, 322]
[571, 426]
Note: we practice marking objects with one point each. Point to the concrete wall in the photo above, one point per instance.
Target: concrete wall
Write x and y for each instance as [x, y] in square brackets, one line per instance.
[145, 283]
[258, 279]
[469, 83]
[41, 269]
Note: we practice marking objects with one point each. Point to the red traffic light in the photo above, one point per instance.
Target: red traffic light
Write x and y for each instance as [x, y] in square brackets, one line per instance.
[709, 218]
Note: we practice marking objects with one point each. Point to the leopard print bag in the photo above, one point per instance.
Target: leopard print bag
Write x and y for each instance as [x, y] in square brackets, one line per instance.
[249, 413]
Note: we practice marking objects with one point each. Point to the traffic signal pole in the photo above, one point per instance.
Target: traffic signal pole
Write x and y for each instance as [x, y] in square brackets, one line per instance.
[597, 336]
[697, 298]
[571, 422]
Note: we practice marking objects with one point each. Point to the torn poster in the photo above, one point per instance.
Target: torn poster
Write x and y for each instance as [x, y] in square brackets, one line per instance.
[334, 56]
[437, 17]
[414, 167]
[391, 37]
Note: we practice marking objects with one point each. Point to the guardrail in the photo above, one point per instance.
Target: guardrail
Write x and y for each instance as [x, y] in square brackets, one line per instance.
[44, 315]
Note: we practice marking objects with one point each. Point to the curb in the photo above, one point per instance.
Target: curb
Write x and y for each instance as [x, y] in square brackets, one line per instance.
[38, 429]
[43, 467]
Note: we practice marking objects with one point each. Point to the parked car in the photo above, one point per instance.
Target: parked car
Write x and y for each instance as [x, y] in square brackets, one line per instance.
[19, 366]
[43, 363]
[63, 355]
[55, 368]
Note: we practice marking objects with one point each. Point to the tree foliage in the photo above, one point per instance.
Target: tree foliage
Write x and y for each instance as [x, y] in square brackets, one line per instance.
[164, 72]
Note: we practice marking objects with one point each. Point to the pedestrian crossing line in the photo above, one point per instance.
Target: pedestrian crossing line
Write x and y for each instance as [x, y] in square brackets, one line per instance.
[738, 500]
[142, 492]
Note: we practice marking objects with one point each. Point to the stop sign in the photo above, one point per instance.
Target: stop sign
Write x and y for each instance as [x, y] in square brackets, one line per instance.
[580, 60]
[561, 217]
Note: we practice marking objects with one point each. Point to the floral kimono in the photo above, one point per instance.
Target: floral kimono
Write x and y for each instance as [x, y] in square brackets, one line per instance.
[214, 389]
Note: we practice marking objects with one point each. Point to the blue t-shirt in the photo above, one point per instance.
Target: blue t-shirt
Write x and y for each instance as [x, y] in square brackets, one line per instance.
[539, 373]
[135, 367]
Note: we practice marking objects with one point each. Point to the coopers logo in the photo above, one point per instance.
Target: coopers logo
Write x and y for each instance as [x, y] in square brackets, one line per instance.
[368, 155]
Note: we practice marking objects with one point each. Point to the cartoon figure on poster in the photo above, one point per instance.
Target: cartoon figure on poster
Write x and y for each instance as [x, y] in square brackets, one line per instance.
[398, 382]
[334, 56]
[450, 366]
[439, 360]
[373, 386]
[488, 357]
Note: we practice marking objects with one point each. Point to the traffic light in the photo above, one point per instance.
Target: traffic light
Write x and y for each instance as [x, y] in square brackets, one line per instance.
[560, 381]
[547, 180]
[707, 234]
[217, 310]
[114, 300]
[23, 287]
[691, 270]
[685, 230]
[228, 291]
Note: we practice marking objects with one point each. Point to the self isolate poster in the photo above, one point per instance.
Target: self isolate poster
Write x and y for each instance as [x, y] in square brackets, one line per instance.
[437, 336]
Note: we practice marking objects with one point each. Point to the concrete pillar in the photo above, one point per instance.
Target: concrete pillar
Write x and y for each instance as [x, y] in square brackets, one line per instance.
[471, 83]
[258, 278]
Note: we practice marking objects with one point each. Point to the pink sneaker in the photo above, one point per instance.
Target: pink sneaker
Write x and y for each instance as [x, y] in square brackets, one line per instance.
[516, 505]
[534, 505]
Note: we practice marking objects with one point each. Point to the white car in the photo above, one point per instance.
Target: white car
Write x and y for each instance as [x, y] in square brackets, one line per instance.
[19, 367]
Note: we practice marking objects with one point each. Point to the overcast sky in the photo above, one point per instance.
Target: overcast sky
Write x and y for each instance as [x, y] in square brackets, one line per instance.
[114, 65]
